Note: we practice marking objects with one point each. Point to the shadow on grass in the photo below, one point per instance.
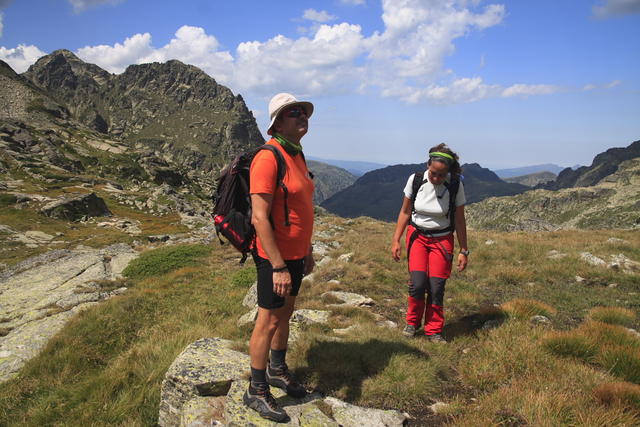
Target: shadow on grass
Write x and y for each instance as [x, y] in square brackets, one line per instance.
[470, 324]
[341, 367]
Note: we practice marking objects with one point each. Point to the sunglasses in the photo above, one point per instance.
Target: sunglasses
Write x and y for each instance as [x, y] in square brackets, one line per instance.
[295, 112]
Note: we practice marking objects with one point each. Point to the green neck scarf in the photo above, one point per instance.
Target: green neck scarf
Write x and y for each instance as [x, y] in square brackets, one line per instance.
[289, 147]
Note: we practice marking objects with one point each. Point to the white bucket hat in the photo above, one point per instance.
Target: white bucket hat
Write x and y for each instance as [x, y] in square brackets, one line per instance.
[283, 100]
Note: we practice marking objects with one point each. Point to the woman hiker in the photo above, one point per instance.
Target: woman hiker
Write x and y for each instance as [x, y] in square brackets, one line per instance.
[283, 251]
[431, 218]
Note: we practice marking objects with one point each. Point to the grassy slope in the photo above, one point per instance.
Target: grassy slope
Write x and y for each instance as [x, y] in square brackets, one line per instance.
[106, 366]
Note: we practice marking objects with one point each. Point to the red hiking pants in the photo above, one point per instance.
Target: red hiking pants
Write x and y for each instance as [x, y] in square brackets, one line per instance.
[429, 268]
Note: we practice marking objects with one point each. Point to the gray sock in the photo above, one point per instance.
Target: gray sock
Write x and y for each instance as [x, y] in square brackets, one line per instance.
[276, 360]
[258, 378]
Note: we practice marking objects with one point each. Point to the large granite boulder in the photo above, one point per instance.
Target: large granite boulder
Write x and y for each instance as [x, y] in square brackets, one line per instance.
[76, 207]
[204, 387]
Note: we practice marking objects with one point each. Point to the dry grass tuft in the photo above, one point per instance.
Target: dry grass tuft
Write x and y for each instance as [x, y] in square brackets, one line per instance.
[619, 393]
[613, 315]
[611, 347]
[525, 308]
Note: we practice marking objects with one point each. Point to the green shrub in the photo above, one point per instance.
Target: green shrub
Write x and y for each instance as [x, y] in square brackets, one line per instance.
[163, 260]
[244, 277]
[7, 200]
[623, 362]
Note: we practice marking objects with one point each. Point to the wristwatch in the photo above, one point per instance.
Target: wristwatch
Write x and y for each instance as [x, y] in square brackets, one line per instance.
[465, 253]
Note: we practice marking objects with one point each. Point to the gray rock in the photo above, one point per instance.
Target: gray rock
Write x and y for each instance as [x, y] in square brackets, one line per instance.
[76, 207]
[592, 259]
[345, 331]
[554, 254]
[308, 277]
[491, 324]
[306, 317]
[580, 279]
[490, 242]
[324, 261]
[634, 332]
[440, 408]
[206, 367]
[248, 318]
[350, 299]
[346, 257]
[158, 238]
[203, 411]
[621, 262]
[41, 293]
[615, 240]
[251, 298]
[540, 320]
[350, 415]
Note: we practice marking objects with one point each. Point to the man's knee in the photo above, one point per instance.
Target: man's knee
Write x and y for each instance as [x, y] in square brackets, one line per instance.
[417, 284]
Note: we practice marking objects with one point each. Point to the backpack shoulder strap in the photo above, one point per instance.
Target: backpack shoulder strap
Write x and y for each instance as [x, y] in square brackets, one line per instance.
[418, 180]
[453, 186]
[282, 170]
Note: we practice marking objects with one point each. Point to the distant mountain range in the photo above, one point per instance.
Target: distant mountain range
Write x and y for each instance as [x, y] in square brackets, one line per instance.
[603, 195]
[356, 168]
[532, 179]
[378, 194]
[528, 170]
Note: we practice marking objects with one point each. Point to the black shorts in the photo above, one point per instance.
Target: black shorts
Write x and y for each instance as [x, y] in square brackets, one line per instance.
[266, 297]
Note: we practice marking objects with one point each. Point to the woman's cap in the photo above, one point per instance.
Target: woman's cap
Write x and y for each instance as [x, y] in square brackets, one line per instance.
[283, 100]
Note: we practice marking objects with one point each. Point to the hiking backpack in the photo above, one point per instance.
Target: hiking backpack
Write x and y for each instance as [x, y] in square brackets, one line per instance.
[232, 201]
[452, 187]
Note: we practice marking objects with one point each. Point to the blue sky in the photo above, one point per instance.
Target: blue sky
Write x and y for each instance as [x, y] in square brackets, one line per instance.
[504, 83]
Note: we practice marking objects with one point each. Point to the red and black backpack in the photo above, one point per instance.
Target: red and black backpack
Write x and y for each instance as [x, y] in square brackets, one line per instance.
[232, 201]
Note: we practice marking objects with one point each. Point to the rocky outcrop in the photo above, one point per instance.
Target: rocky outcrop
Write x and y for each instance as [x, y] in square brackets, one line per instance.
[613, 203]
[328, 180]
[76, 207]
[205, 384]
[603, 165]
[22, 100]
[40, 294]
[174, 109]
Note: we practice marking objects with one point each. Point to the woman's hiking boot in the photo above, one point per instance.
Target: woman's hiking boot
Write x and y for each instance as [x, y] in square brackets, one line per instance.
[282, 378]
[437, 338]
[409, 331]
[261, 400]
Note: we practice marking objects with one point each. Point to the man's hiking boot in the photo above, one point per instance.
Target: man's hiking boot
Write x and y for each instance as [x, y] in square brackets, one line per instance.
[409, 331]
[282, 378]
[437, 338]
[261, 400]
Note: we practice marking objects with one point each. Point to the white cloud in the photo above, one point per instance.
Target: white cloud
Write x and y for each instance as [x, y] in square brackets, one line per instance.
[21, 57]
[1, 23]
[353, 2]
[612, 84]
[405, 60]
[589, 86]
[608, 8]
[528, 90]
[318, 16]
[81, 5]
[117, 57]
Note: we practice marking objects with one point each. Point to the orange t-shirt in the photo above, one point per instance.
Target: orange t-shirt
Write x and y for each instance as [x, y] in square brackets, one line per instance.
[293, 241]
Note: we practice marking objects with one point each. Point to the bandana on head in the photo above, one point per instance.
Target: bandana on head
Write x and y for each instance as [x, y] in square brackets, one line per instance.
[447, 158]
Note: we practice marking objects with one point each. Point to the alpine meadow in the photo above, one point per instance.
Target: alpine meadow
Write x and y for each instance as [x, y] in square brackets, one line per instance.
[122, 304]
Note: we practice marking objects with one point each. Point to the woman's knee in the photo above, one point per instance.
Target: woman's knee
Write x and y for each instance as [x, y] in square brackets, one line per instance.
[418, 284]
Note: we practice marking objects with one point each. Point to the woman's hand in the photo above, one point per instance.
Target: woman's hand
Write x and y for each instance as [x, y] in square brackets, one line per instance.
[462, 262]
[396, 250]
[282, 283]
